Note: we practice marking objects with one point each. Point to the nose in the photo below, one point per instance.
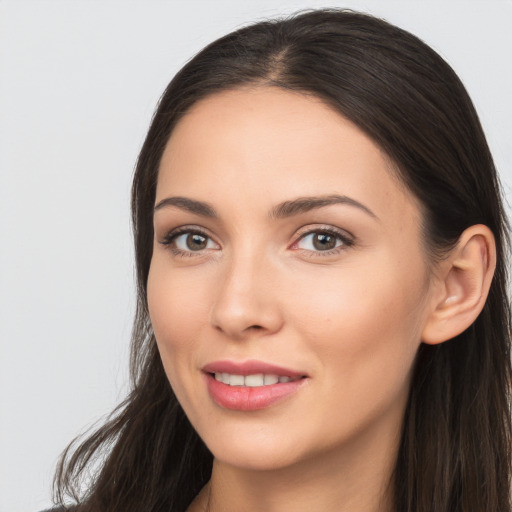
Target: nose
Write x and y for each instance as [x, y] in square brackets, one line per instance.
[246, 302]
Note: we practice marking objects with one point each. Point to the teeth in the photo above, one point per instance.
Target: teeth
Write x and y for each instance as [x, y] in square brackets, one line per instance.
[256, 380]
[236, 380]
[271, 379]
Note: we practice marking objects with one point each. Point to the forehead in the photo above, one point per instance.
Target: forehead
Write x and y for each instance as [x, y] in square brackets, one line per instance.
[273, 144]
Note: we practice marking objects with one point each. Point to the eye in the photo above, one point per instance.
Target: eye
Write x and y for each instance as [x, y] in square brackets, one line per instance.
[193, 242]
[323, 240]
[187, 241]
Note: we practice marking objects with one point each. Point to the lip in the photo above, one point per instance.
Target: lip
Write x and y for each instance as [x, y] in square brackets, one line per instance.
[251, 367]
[245, 398]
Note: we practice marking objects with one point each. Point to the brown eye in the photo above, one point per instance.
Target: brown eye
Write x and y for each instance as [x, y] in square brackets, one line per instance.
[196, 242]
[324, 241]
[189, 241]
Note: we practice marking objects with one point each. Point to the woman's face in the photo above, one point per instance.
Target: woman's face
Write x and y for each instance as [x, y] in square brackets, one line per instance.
[285, 249]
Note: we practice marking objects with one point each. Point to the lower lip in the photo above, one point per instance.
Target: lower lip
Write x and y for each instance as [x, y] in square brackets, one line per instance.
[245, 398]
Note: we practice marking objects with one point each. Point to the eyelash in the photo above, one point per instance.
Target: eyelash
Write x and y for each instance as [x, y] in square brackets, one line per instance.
[171, 237]
[343, 237]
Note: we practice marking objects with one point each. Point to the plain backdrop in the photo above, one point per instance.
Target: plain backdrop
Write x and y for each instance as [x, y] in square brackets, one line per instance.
[78, 84]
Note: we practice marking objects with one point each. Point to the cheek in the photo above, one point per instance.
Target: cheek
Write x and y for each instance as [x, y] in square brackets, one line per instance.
[364, 335]
[178, 307]
[358, 298]
[365, 324]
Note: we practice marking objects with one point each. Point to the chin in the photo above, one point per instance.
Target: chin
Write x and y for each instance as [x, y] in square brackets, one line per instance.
[254, 458]
[258, 449]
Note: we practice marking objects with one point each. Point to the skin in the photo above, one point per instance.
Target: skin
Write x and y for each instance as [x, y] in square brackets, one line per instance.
[351, 319]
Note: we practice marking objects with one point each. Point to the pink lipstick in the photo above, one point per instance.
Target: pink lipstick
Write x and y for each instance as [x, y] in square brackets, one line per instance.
[251, 385]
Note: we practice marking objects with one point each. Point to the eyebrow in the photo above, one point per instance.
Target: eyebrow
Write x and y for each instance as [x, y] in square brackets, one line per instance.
[282, 210]
[190, 205]
[306, 204]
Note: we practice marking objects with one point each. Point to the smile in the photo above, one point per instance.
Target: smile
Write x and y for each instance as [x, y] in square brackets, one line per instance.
[251, 385]
[253, 381]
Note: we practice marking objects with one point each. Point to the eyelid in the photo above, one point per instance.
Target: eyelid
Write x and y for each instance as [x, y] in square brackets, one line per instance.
[347, 238]
[313, 226]
[173, 234]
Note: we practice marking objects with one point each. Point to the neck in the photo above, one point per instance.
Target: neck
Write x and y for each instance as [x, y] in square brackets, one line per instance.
[355, 479]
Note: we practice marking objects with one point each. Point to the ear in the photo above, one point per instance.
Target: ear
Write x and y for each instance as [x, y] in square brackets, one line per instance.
[461, 286]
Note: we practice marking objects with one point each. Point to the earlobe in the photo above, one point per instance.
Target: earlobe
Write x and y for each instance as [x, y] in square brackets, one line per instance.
[463, 286]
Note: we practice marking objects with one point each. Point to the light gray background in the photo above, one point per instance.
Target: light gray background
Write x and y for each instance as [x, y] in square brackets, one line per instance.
[79, 81]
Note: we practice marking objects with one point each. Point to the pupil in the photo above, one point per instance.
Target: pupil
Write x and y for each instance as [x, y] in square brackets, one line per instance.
[196, 242]
[324, 242]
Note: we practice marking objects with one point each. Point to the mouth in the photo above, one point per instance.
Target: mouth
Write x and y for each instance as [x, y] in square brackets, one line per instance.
[254, 380]
[251, 385]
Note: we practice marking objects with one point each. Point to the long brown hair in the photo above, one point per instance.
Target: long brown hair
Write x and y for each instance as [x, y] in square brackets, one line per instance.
[455, 446]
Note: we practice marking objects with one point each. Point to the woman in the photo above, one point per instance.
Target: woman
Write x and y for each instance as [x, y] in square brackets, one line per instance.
[322, 318]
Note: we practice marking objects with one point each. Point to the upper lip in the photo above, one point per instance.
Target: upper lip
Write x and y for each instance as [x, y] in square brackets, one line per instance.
[251, 367]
